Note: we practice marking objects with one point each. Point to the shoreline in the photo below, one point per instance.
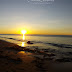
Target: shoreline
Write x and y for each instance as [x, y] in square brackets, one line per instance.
[14, 58]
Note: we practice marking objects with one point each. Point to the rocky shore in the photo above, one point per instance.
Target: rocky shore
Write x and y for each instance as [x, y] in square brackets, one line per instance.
[14, 58]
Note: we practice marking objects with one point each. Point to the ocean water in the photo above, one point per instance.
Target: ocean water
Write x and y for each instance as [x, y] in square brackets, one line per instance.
[61, 46]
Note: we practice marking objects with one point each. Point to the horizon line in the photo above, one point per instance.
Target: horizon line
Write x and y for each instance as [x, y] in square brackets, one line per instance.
[36, 34]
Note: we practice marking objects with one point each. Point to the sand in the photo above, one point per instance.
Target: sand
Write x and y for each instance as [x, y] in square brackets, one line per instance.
[14, 58]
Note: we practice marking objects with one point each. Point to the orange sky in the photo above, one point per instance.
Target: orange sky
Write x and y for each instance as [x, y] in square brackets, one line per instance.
[31, 31]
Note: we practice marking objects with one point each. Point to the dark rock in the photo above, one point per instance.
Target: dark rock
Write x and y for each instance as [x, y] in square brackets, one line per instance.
[68, 47]
[70, 53]
[10, 38]
[29, 42]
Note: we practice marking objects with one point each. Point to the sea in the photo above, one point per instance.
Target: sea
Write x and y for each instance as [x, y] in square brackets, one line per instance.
[60, 45]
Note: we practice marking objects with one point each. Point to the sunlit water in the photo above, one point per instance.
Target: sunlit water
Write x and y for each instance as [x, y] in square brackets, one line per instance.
[59, 45]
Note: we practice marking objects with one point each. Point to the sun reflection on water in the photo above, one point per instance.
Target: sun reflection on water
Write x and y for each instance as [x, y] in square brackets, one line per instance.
[23, 37]
[24, 53]
[23, 32]
[23, 44]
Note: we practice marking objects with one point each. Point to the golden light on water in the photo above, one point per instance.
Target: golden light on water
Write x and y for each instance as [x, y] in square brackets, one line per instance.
[23, 32]
[23, 44]
[23, 37]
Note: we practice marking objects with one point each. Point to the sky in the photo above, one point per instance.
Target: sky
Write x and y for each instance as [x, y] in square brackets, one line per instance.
[54, 18]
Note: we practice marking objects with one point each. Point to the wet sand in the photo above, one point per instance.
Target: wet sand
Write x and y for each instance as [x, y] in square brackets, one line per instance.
[14, 58]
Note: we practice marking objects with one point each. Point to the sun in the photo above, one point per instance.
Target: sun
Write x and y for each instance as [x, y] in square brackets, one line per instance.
[23, 31]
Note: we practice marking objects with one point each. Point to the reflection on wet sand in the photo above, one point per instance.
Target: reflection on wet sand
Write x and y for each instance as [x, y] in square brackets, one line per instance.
[24, 53]
[25, 56]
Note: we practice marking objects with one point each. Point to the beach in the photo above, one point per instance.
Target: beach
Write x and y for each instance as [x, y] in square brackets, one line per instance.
[14, 58]
[35, 36]
[16, 61]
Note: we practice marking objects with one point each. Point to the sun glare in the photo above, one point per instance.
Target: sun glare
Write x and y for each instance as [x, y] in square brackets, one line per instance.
[23, 31]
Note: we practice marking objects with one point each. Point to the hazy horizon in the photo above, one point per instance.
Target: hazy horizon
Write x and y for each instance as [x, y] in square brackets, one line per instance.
[37, 34]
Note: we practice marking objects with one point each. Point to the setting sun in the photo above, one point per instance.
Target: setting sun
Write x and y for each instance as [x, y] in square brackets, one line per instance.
[23, 31]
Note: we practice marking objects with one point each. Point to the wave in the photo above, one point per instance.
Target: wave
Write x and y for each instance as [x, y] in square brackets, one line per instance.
[56, 44]
[60, 45]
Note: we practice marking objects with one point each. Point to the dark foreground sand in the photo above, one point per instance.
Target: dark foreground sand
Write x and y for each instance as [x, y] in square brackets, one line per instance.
[14, 58]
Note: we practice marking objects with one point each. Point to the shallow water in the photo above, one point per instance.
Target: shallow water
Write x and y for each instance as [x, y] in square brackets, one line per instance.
[61, 46]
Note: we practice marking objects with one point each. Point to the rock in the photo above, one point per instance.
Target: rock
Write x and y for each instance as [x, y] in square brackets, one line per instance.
[70, 53]
[10, 38]
[29, 42]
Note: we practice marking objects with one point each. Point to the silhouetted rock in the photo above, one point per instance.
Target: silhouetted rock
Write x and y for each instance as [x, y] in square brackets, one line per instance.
[29, 42]
[70, 52]
[10, 38]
